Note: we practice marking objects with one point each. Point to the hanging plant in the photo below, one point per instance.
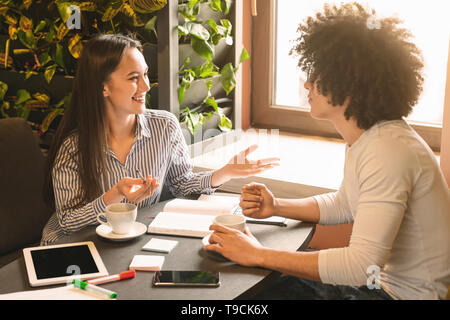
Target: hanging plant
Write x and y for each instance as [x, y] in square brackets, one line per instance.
[203, 37]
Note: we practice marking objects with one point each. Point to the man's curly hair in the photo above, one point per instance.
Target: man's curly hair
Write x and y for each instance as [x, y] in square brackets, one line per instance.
[347, 53]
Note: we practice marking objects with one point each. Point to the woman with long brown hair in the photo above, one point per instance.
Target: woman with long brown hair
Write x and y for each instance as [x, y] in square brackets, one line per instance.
[109, 148]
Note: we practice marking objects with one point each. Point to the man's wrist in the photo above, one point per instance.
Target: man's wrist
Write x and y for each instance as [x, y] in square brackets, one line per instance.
[261, 257]
[276, 207]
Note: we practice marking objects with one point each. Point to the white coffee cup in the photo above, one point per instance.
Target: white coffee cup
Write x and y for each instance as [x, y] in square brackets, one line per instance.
[120, 217]
[231, 221]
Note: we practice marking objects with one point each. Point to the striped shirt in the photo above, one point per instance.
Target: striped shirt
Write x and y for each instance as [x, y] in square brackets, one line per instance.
[159, 150]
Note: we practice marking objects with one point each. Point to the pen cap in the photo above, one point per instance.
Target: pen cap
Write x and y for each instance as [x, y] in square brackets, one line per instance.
[79, 284]
[128, 274]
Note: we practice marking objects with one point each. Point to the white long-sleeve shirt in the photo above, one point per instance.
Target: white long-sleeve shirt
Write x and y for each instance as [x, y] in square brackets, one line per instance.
[394, 192]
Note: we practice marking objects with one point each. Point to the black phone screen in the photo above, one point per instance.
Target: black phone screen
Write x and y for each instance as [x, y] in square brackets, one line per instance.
[186, 278]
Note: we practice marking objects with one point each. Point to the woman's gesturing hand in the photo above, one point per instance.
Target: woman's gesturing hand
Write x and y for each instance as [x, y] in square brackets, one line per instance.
[240, 167]
[133, 189]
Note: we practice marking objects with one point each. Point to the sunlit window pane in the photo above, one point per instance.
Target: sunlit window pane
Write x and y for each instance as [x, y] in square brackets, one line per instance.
[428, 21]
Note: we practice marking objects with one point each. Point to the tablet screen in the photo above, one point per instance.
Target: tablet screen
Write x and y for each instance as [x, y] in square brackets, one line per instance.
[62, 262]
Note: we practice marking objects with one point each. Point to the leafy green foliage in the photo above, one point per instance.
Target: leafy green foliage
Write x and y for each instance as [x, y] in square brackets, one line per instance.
[40, 42]
[203, 37]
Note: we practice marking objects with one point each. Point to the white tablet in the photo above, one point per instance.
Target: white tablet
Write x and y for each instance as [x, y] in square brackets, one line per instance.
[62, 263]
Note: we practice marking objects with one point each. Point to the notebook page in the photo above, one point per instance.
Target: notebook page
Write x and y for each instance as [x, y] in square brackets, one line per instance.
[208, 207]
[186, 224]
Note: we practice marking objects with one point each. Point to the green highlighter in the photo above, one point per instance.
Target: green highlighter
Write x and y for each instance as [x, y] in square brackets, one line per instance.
[77, 283]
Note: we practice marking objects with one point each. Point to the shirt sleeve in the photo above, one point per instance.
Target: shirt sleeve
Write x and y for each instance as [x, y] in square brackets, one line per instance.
[181, 179]
[386, 175]
[334, 208]
[67, 190]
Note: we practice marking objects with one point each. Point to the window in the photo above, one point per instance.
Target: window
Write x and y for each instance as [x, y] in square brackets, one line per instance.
[279, 99]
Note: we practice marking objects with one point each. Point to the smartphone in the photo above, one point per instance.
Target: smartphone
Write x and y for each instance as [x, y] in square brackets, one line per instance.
[186, 278]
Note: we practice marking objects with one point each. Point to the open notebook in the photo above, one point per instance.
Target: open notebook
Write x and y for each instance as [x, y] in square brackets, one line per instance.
[192, 218]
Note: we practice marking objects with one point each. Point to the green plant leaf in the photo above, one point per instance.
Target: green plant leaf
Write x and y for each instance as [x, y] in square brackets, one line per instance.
[27, 39]
[185, 84]
[215, 5]
[194, 121]
[33, 104]
[110, 13]
[150, 26]
[5, 106]
[64, 11]
[64, 102]
[25, 24]
[209, 85]
[225, 124]
[206, 70]
[226, 4]
[62, 31]
[244, 55]
[203, 48]
[12, 31]
[22, 96]
[3, 90]
[44, 58]
[59, 56]
[51, 35]
[25, 112]
[197, 30]
[6, 54]
[75, 46]
[40, 26]
[189, 10]
[11, 20]
[49, 72]
[186, 62]
[212, 24]
[21, 51]
[29, 73]
[87, 6]
[211, 102]
[128, 10]
[49, 118]
[228, 78]
[182, 31]
[42, 97]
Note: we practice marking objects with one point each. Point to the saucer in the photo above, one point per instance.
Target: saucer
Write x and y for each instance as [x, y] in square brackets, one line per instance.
[212, 254]
[105, 231]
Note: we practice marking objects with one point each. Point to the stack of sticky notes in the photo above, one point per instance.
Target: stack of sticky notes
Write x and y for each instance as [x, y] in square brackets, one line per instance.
[146, 263]
[160, 245]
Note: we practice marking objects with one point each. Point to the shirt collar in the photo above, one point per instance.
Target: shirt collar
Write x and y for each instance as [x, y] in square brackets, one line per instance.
[142, 129]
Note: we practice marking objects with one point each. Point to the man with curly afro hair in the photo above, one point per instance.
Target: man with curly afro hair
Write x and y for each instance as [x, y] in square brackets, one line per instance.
[365, 76]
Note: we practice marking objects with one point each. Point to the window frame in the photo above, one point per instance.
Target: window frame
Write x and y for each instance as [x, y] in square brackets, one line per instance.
[266, 114]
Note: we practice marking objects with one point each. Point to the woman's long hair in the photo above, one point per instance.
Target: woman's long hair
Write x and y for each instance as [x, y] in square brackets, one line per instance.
[85, 115]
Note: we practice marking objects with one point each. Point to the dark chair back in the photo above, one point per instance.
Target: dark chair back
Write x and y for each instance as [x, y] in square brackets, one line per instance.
[23, 212]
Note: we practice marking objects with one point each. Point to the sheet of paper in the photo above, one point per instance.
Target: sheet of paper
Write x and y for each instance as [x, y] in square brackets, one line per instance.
[160, 245]
[60, 293]
[146, 263]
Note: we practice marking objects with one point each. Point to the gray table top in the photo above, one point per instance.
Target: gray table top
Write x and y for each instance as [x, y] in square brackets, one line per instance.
[236, 281]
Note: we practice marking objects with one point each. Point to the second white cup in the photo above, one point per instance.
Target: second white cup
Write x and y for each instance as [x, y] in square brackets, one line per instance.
[231, 221]
[120, 217]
